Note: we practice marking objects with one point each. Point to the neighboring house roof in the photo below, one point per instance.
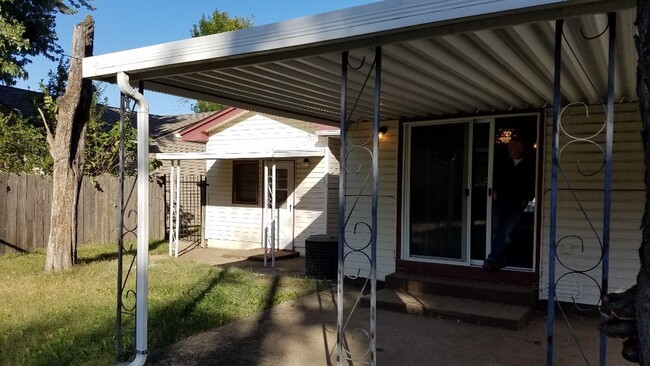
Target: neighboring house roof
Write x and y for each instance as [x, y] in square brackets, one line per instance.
[18, 100]
[21, 100]
[440, 58]
[200, 131]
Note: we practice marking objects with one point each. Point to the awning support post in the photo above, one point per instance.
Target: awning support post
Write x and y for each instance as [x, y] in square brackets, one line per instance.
[372, 178]
[266, 212]
[142, 274]
[172, 206]
[275, 235]
[550, 321]
[341, 249]
[120, 236]
[177, 209]
[609, 141]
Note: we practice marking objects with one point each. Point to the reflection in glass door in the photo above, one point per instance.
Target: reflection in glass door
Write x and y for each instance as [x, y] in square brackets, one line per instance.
[480, 191]
[436, 190]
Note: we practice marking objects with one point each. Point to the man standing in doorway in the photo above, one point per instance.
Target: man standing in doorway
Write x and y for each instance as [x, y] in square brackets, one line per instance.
[514, 187]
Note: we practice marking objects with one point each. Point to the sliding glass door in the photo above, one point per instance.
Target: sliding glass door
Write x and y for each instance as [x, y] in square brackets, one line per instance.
[447, 189]
[436, 187]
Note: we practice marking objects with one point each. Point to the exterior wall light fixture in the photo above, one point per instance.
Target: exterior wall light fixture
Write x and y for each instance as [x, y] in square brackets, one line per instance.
[382, 131]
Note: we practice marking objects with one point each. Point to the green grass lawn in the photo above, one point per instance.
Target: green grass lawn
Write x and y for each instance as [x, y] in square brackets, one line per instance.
[69, 318]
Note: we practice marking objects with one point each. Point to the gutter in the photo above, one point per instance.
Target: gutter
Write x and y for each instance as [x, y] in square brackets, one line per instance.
[142, 275]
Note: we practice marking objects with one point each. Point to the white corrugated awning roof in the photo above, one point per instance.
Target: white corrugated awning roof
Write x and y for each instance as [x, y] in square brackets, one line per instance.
[441, 58]
[262, 154]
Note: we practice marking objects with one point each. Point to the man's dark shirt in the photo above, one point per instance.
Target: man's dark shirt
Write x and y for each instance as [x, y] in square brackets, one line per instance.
[515, 184]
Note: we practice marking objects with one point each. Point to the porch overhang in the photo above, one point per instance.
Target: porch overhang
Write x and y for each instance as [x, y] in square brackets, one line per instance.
[262, 154]
[441, 58]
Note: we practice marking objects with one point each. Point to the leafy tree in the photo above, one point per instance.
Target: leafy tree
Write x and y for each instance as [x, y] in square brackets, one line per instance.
[23, 141]
[22, 146]
[218, 22]
[27, 29]
[101, 155]
[103, 143]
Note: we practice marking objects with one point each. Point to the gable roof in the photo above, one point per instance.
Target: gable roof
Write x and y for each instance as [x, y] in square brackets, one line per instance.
[200, 131]
[440, 58]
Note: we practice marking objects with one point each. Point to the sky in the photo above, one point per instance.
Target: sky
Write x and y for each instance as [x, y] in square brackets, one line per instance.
[126, 24]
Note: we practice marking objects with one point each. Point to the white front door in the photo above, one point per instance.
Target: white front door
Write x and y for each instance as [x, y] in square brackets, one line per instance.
[281, 218]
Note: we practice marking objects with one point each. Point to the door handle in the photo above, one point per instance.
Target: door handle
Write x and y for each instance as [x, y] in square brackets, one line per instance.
[490, 192]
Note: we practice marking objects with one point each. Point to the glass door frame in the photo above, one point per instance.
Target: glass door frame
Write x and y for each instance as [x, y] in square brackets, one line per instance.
[406, 194]
[490, 169]
[467, 199]
[405, 201]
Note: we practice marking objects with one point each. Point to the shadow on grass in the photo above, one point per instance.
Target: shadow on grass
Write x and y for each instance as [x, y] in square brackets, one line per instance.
[60, 340]
[175, 321]
[242, 348]
[129, 249]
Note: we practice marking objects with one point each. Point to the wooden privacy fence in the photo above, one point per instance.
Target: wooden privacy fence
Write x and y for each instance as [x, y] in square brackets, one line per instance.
[25, 202]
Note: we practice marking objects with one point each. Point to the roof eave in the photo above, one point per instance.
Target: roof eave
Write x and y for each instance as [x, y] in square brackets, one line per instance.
[363, 26]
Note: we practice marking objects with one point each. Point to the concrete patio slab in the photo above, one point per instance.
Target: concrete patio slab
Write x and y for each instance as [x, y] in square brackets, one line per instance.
[302, 332]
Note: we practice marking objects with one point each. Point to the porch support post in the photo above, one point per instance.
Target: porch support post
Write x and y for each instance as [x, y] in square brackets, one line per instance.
[120, 236]
[375, 199]
[142, 257]
[554, 174]
[172, 205]
[178, 207]
[266, 210]
[342, 175]
[609, 141]
[275, 232]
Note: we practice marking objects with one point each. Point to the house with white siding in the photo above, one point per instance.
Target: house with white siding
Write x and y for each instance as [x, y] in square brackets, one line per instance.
[434, 210]
[449, 84]
[255, 153]
[489, 74]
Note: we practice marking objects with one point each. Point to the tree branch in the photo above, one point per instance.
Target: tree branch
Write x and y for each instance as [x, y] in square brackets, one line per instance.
[50, 136]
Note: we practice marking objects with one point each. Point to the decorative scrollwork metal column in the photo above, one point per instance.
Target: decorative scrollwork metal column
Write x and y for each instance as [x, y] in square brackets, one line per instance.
[603, 237]
[123, 307]
[346, 247]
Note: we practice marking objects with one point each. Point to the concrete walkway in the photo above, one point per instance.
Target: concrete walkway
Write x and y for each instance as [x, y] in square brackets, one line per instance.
[303, 332]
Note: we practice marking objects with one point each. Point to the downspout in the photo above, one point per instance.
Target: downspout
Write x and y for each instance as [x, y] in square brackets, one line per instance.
[142, 275]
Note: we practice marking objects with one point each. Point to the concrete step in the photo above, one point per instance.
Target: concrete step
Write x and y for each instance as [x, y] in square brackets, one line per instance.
[478, 312]
[464, 288]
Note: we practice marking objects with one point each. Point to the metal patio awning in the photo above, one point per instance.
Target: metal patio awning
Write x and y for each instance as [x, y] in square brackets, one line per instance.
[440, 58]
[437, 58]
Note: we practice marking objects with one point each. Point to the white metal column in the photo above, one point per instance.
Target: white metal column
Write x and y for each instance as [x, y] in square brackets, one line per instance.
[142, 273]
[271, 222]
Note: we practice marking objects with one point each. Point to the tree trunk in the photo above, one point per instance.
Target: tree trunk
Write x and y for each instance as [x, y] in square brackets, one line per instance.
[643, 91]
[67, 149]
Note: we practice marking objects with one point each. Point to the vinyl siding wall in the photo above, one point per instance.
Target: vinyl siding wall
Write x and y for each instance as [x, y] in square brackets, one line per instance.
[627, 204]
[333, 173]
[628, 197]
[356, 263]
[310, 201]
[231, 225]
